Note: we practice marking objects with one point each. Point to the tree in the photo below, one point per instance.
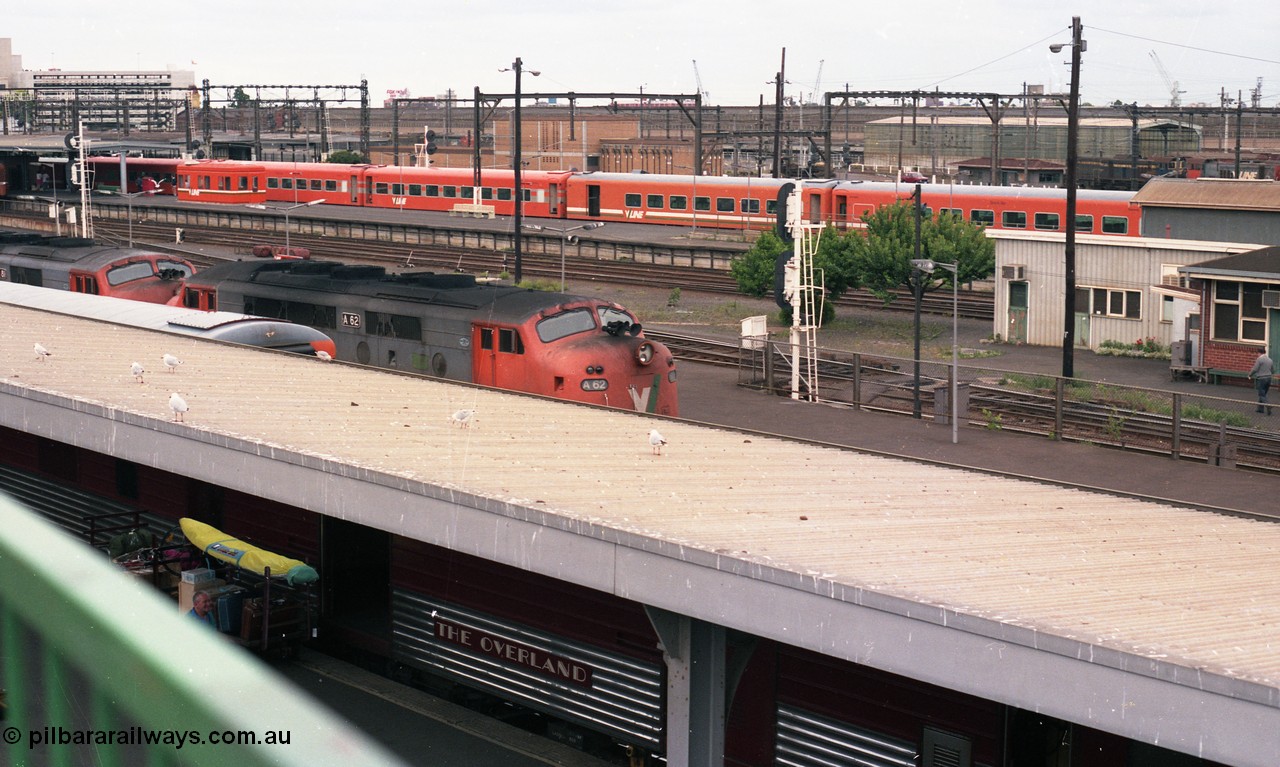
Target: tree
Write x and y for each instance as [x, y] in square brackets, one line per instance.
[347, 157]
[881, 261]
[753, 270]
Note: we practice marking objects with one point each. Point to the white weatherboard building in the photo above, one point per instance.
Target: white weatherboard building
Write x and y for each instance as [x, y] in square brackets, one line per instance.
[1122, 287]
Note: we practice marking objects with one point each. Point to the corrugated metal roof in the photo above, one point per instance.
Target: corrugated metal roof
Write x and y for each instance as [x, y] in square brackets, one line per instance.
[1216, 193]
[1172, 586]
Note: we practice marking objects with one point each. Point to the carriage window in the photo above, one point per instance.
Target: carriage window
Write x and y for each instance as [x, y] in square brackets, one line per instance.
[272, 183]
[505, 194]
[243, 183]
[679, 202]
[957, 212]
[317, 185]
[771, 207]
[415, 190]
[558, 326]
[330, 185]
[380, 187]
[432, 190]
[1084, 224]
[509, 341]
[983, 217]
[1047, 221]
[486, 193]
[1115, 225]
[1013, 219]
[631, 200]
[397, 189]
[467, 191]
[450, 191]
[724, 204]
[702, 203]
[286, 183]
[750, 206]
[653, 201]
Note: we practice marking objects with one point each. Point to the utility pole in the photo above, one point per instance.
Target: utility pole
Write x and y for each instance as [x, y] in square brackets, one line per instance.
[777, 117]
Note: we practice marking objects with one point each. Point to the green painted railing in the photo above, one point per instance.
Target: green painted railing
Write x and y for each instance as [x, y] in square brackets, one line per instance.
[97, 668]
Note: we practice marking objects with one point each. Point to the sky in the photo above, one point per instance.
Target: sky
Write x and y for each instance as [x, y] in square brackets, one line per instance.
[431, 47]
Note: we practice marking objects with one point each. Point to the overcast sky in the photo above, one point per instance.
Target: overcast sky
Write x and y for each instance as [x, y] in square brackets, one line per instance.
[429, 47]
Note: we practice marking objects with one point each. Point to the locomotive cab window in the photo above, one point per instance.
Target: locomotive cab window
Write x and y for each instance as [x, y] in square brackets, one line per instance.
[565, 324]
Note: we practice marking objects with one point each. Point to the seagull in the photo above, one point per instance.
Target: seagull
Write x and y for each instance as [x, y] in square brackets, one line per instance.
[463, 419]
[171, 362]
[137, 370]
[178, 405]
[324, 355]
[656, 441]
[42, 352]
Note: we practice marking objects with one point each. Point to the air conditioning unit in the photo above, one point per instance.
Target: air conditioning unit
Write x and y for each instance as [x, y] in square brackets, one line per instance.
[1013, 272]
[1271, 299]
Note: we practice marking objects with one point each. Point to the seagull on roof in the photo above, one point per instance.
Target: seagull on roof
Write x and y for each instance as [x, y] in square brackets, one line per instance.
[41, 352]
[137, 370]
[463, 419]
[178, 405]
[656, 441]
[171, 362]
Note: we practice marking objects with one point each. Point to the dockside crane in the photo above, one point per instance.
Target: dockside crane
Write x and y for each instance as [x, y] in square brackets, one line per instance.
[1175, 95]
[698, 78]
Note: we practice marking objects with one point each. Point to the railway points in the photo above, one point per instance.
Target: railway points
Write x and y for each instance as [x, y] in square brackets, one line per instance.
[1089, 592]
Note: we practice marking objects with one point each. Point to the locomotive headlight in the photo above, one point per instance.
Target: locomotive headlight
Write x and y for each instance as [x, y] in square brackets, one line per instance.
[644, 353]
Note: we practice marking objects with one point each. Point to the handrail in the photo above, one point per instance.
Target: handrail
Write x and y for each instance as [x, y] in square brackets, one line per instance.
[99, 666]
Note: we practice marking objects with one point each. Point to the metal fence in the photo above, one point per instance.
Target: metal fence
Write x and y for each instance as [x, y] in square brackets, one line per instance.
[1219, 430]
[96, 668]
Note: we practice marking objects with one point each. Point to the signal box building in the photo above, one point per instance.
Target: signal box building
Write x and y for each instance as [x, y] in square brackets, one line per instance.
[1240, 296]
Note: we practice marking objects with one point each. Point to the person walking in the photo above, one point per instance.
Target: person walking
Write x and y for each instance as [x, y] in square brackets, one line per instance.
[1261, 373]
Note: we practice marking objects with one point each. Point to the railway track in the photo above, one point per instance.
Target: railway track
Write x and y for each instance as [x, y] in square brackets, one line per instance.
[880, 385]
[971, 304]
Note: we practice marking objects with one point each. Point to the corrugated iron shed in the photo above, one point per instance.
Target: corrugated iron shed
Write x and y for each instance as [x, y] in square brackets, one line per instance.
[1214, 193]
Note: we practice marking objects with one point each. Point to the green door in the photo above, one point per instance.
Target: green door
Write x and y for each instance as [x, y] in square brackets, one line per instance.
[1018, 293]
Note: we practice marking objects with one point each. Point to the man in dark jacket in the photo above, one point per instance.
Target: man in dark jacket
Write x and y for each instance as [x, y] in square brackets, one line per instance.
[1261, 374]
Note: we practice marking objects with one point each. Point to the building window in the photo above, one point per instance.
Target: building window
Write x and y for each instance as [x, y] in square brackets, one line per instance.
[1238, 314]
[1111, 302]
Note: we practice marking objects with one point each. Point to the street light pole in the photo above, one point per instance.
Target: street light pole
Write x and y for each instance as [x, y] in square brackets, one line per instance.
[564, 237]
[920, 267]
[916, 289]
[287, 210]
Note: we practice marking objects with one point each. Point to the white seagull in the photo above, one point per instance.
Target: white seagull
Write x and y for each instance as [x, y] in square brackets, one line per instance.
[324, 355]
[41, 352]
[463, 419]
[656, 441]
[178, 405]
[171, 362]
[137, 370]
